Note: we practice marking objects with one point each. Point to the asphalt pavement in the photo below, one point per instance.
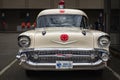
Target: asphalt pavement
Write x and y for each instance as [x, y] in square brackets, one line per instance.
[116, 50]
[10, 70]
[8, 48]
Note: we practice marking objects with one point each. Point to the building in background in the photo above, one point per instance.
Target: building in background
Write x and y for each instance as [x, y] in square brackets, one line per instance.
[16, 10]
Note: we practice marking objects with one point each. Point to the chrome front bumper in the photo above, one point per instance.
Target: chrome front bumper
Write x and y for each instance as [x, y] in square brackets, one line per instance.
[28, 64]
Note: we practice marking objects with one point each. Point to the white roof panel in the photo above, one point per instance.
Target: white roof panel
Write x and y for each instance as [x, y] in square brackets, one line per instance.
[61, 11]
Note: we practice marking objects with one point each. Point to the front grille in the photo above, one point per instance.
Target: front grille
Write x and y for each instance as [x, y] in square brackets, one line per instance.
[53, 56]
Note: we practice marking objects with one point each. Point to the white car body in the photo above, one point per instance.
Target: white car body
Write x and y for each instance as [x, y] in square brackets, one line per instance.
[65, 47]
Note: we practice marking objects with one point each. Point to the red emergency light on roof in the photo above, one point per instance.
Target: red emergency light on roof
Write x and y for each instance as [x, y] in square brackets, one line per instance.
[61, 4]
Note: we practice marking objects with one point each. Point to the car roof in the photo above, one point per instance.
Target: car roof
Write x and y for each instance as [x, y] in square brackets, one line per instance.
[62, 11]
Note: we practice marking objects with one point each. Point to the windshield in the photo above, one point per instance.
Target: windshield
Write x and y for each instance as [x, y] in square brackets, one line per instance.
[61, 21]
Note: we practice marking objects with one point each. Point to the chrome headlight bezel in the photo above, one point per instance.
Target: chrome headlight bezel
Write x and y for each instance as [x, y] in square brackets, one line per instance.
[24, 41]
[104, 41]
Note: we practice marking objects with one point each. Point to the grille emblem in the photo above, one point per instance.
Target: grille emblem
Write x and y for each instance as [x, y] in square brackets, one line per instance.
[64, 55]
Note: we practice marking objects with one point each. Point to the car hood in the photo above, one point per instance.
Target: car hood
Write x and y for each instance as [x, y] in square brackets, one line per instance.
[54, 38]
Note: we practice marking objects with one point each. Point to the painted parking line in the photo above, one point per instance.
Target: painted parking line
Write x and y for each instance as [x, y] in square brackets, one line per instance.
[114, 73]
[7, 67]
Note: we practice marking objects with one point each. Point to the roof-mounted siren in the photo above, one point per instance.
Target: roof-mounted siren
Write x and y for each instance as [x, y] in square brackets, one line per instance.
[61, 4]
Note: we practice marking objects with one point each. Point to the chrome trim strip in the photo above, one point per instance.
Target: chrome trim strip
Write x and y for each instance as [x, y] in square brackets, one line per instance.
[54, 64]
[63, 43]
[64, 49]
[52, 49]
[64, 56]
[18, 56]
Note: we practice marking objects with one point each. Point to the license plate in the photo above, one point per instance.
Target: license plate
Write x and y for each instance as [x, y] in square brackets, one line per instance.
[64, 64]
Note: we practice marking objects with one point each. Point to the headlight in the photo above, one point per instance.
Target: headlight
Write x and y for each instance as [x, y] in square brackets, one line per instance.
[24, 41]
[35, 56]
[105, 57]
[104, 41]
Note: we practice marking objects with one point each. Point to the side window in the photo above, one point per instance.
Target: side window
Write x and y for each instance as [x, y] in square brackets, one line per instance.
[84, 22]
[41, 22]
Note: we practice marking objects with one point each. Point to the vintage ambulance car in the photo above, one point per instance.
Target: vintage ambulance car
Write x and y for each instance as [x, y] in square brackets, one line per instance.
[63, 40]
